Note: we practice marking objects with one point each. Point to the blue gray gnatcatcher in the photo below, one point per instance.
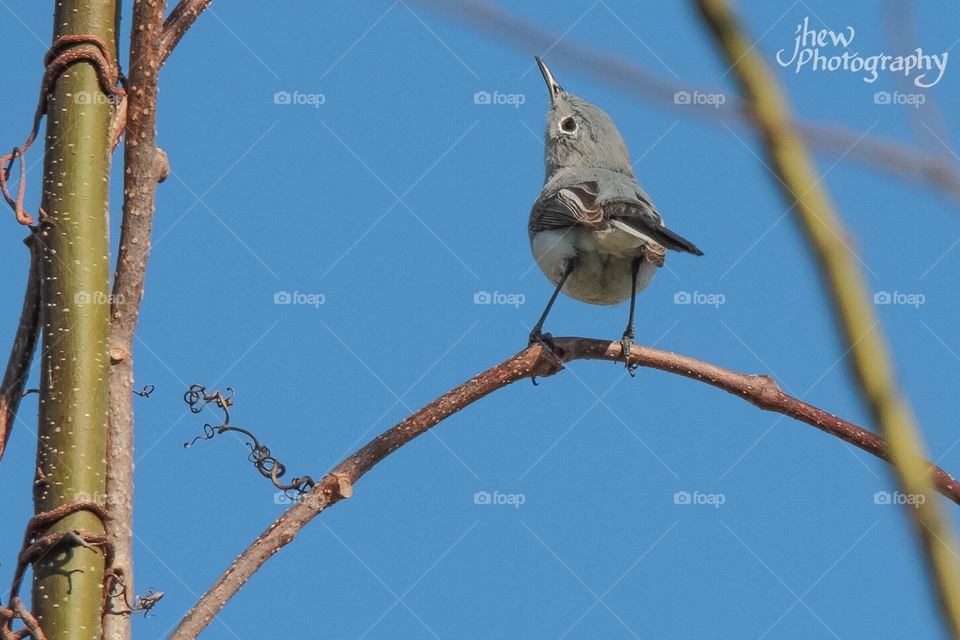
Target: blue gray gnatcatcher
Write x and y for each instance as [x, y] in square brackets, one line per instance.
[594, 231]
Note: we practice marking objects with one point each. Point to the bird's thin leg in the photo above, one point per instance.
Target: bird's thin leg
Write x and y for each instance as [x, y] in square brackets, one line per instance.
[537, 334]
[626, 342]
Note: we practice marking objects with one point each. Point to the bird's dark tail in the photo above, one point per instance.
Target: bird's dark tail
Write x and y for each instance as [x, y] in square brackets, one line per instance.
[671, 240]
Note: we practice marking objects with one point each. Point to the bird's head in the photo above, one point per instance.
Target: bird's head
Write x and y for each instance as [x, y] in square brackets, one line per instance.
[579, 134]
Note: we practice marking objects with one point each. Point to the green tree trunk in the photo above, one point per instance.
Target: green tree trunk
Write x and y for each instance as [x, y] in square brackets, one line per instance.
[68, 581]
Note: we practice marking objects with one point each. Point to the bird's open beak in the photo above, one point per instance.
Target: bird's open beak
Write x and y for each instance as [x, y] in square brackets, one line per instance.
[554, 88]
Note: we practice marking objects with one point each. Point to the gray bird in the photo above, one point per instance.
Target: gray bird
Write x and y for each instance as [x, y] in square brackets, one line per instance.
[594, 231]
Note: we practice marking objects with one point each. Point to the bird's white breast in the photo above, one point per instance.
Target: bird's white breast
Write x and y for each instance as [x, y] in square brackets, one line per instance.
[604, 260]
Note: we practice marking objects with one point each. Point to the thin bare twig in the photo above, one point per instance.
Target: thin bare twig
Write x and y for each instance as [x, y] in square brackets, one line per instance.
[24, 345]
[177, 23]
[144, 166]
[926, 118]
[536, 360]
[662, 91]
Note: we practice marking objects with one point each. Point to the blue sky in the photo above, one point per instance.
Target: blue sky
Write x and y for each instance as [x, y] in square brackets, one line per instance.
[385, 192]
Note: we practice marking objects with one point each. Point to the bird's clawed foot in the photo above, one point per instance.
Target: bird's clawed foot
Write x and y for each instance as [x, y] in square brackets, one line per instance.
[543, 338]
[626, 350]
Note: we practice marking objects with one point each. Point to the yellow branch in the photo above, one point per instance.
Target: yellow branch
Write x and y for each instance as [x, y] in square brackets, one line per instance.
[868, 352]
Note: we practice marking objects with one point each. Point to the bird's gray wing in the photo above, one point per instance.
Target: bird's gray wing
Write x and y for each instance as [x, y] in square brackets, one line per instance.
[641, 217]
[619, 203]
[568, 206]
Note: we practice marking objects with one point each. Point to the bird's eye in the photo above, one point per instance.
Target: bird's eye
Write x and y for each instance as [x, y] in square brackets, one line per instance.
[568, 125]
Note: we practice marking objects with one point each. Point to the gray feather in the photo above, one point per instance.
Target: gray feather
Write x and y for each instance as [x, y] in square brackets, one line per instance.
[592, 210]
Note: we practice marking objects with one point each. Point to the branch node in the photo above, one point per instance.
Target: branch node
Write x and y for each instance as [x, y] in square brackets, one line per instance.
[549, 361]
[344, 485]
[161, 165]
[768, 391]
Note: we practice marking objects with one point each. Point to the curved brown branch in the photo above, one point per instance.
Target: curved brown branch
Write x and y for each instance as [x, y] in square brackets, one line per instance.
[24, 344]
[536, 360]
[177, 23]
